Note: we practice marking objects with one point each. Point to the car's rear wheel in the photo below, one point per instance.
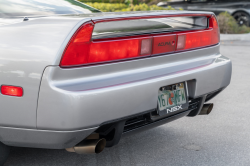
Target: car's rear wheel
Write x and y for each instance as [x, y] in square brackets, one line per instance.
[242, 18]
[4, 153]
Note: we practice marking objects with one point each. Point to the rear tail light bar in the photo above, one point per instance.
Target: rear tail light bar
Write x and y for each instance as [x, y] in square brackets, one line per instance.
[82, 50]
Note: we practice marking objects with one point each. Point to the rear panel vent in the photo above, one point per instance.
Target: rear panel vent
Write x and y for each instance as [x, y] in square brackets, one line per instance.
[143, 120]
[135, 122]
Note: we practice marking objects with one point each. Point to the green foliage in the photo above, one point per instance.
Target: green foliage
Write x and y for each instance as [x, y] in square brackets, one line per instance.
[140, 7]
[108, 7]
[155, 7]
[117, 7]
[134, 2]
[145, 7]
[103, 1]
[228, 25]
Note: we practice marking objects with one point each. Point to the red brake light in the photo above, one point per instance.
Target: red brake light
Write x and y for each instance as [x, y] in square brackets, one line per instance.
[118, 49]
[196, 39]
[83, 50]
[84, 34]
[12, 90]
[215, 30]
[192, 40]
[78, 46]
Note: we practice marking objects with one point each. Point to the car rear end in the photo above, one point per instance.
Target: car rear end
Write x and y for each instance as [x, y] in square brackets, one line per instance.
[116, 74]
[120, 74]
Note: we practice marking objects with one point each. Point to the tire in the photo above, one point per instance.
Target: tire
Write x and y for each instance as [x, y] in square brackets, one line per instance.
[242, 18]
[4, 153]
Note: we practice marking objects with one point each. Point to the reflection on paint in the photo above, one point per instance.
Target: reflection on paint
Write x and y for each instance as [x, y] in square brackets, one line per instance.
[42, 7]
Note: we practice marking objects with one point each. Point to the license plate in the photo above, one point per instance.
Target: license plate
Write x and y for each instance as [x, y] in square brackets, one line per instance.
[171, 99]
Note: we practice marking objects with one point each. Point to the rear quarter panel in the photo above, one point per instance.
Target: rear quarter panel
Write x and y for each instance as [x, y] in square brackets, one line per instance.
[26, 48]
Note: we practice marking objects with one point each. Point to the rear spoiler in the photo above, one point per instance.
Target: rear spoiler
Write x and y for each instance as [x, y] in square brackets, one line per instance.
[125, 37]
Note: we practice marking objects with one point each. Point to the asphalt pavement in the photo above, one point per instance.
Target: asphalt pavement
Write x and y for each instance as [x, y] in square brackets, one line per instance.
[218, 139]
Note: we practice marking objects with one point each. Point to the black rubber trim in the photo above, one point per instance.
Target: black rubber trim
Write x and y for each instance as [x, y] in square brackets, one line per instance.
[148, 32]
[126, 118]
[213, 94]
[156, 123]
[196, 111]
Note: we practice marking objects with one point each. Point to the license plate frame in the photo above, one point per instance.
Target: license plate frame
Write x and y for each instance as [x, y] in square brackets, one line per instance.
[173, 95]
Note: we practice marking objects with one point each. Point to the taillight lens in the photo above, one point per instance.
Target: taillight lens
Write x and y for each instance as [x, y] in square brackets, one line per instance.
[118, 49]
[192, 40]
[82, 50]
[196, 39]
[215, 34]
[12, 90]
[78, 46]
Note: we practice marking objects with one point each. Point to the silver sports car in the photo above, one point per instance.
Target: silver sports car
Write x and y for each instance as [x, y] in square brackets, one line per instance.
[74, 78]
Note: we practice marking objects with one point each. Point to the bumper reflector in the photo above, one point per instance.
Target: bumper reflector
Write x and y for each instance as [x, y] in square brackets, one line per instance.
[12, 90]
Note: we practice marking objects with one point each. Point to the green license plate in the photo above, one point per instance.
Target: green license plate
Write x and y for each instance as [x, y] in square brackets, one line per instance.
[171, 99]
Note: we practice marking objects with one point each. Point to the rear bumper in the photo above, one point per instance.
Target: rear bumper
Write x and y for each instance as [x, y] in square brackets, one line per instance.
[92, 101]
[73, 103]
[49, 139]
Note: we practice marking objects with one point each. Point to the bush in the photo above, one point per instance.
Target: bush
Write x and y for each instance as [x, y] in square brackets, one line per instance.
[135, 2]
[103, 1]
[228, 25]
[108, 7]
[145, 7]
[140, 7]
[117, 7]
[155, 7]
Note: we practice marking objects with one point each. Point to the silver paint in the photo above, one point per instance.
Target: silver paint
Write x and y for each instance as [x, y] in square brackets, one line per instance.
[89, 96]
[26, 48]
[43, 138]
[85, 97]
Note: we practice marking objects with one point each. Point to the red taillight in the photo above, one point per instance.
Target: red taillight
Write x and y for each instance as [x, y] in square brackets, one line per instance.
[192, 40]
[196, 39]
[84, 34]
[75, 53]
[83, 50]
[118, 49]
[102, 51]
[11, 90]
[215, 34]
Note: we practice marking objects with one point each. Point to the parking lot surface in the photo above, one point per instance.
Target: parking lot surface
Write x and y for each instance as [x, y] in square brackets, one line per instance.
[220, 138]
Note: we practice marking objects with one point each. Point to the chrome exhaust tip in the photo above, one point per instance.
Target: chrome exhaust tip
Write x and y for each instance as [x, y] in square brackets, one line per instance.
[89, 146]
[206, 109]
